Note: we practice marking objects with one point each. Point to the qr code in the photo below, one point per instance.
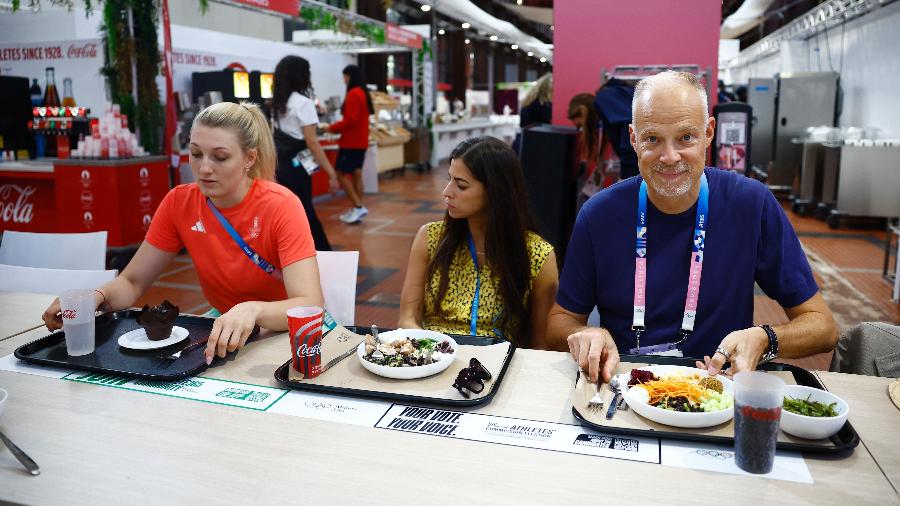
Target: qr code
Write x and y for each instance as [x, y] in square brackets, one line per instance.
[733, 134]
[627, 445]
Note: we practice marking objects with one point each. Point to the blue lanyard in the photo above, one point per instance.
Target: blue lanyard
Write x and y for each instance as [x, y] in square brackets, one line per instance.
[696, 269]
[254, 257]
[473, 315]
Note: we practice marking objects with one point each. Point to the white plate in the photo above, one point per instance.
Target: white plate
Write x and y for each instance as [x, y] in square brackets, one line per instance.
[137, 339]
[677, 418]
[409, 372]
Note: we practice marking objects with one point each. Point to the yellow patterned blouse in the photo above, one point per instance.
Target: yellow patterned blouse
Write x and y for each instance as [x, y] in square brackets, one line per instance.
[457, 304]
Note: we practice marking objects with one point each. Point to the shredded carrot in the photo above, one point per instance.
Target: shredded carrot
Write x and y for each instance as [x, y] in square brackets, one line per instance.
[675, 386]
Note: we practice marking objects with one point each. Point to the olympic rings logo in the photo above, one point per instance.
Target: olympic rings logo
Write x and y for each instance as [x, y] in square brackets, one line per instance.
[715, 454]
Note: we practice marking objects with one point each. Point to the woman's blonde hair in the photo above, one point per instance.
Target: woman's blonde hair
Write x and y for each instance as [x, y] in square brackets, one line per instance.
[248, 122]
[541, 90]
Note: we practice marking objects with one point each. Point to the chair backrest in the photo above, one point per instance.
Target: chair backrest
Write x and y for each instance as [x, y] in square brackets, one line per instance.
[15, 278]
[337, 275]
[54, 251]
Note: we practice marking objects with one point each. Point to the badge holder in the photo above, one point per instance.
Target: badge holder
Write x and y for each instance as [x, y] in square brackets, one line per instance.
[660, 350]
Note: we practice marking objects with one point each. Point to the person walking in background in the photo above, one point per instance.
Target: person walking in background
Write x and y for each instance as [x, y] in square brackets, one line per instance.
[354, 130]
[536, 107]
[295, 121]
[587, 148]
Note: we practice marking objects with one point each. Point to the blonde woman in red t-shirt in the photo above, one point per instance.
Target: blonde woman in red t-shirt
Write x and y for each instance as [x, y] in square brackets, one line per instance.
[232, 158]
[354, 130]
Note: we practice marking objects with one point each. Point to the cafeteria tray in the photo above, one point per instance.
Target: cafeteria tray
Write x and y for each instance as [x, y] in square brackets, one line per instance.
[348, 377]
[630, 423]
[109, 358]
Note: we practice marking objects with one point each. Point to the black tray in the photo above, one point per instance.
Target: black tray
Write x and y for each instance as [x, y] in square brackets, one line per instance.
[109, 358]
[281, 376]
[846, 439]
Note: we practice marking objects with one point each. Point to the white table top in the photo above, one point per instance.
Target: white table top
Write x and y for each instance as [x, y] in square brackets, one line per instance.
[21, 311]
[95, 444]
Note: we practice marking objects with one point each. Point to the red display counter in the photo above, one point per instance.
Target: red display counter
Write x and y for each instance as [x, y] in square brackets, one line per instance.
[119, 196]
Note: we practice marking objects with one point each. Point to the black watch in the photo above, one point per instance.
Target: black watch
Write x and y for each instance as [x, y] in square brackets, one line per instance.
[772, 351]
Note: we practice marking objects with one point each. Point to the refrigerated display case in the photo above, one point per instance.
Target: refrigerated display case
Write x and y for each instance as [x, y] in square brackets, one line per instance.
[805, 99]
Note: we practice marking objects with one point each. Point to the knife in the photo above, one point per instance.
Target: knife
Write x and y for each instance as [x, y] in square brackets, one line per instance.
[613, 406]
[337, 359]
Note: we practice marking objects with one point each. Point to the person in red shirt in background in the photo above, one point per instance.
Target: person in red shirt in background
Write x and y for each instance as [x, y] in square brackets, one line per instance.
[233, 162]
[354, 130]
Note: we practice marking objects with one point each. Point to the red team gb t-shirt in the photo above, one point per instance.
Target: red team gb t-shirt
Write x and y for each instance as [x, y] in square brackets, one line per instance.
[270, 219]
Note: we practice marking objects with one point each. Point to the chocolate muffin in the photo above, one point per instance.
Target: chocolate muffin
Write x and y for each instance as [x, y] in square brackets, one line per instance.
[159, 320]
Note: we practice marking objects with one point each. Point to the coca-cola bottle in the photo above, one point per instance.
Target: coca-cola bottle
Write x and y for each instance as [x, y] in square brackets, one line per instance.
[37, 98]
[68, 99]
[51, 96]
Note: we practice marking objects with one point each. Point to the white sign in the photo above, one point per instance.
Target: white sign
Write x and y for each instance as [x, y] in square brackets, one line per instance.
[515, 432]
[79, 60]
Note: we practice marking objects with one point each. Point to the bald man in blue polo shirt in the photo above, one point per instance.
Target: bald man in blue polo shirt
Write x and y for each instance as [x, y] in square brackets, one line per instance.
[670, 258]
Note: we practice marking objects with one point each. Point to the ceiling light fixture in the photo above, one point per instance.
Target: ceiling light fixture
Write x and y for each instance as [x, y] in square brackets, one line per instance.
[530, 53]
[465, 26]
[426, 7]
[543, 60]
[514, 46]
[468, 41]
[518, 2]
[441, 31]
[493, 37]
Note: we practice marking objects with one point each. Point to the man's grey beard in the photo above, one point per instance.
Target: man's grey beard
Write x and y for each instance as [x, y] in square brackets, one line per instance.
[666, 189]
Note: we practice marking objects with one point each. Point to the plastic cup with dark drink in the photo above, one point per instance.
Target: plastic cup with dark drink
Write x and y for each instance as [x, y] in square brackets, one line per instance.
[305, 329]
[757, 411]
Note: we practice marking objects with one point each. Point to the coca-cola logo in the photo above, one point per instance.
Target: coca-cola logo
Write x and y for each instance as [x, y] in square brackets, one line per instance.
[88, 50]
[145, 199]
[309, 351]
[14, 205]
[87, 198]
[69, 314]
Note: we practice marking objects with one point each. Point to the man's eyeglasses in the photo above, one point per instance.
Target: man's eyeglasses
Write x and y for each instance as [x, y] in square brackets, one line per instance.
[472, 378]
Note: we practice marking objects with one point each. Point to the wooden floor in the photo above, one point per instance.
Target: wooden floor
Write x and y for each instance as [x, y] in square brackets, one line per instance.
[847, 263]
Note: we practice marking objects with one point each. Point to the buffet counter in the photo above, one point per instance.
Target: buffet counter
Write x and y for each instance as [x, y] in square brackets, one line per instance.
[448, 135]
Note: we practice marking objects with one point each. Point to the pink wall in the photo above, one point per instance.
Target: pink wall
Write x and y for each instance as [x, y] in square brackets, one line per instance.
[599, 34]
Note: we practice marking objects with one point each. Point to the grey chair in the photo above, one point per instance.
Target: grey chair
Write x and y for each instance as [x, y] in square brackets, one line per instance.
[870, 348]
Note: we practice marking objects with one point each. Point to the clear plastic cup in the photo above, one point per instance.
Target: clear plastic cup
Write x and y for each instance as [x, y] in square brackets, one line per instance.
[757, 411]
[77, 309]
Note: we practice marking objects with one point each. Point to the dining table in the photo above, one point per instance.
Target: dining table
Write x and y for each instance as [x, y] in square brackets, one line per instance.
[97, 444]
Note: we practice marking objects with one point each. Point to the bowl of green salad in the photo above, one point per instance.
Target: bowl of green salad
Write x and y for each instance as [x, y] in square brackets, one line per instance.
[810, 413]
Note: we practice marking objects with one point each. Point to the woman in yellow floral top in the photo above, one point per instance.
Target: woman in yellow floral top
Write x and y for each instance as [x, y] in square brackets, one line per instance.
[483, 270]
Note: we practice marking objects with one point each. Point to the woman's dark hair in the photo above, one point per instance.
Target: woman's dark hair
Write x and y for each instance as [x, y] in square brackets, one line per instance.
[291, 74]
[509, 219]
[584, 103]
[356, 81]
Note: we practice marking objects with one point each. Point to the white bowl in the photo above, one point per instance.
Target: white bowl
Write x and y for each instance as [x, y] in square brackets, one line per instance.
[677, 418]
[811, 427]
[420, 371]
[3, 396]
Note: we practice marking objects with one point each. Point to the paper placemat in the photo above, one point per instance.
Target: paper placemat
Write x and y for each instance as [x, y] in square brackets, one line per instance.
[350, 374]
[629, 419]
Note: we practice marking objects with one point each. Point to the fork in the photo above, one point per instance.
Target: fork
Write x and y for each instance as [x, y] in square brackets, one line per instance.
[596, 402]
[169, 359]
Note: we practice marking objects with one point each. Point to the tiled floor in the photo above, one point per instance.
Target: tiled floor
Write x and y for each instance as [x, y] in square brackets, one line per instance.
[847, 263]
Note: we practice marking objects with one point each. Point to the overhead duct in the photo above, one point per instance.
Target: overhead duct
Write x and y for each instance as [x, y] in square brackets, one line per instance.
[466, 11]
[748, 16]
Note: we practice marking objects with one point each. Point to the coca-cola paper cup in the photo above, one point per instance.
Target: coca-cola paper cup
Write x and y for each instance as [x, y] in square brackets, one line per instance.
[305, 329]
